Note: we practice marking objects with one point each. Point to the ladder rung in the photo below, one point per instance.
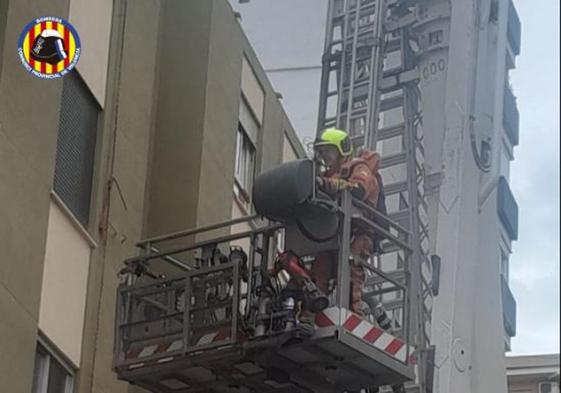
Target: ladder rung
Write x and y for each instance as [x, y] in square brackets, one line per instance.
[387, 104]
[394, 188]
[334, 68]
[356, 113]
[394, 71]
[388, 247]
[396, 275]
[389, 84]
[357, 140]
[393, 45]
[409, 75]
[407, 20]
[350, 38]
[337, 17]
[401, 218]
[390, 132]
[393, 304]
[394, 159]
[412, 389]
[357, 85]
[392, 82]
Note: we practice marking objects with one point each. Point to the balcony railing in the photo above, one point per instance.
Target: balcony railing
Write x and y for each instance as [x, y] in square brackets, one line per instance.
[514, 30]
[509, 309]
[507, 208]
[511, 116]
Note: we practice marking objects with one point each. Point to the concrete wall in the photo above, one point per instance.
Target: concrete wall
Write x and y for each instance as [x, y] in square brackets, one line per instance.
[127, 128]
[223, 94]
[92, 20]
[27, 152]
[175, 166]
[252, 90]
[192, 171]
[65, 275]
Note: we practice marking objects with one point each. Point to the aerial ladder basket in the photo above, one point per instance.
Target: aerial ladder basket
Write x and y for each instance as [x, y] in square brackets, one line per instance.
[208, 310]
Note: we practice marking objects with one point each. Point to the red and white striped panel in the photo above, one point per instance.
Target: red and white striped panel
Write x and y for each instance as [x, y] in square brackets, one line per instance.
[156, 349]
[209, 338]
[364, 330]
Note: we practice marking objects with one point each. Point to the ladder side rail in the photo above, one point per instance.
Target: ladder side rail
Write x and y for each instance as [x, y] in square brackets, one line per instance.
[417, 315]
[344, 252]
[376, 67]
[343, 65]
[326, 65]
[352, 66]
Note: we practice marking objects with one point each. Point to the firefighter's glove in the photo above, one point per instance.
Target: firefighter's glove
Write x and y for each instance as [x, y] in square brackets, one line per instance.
[334, 185]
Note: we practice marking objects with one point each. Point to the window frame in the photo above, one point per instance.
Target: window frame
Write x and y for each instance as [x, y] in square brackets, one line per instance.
[243, 181]
[45, 353]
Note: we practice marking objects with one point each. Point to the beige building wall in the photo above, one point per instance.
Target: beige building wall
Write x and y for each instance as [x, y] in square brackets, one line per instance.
[238, 212]
[526, 373]
[92, 21]
[288, 152]
[65, 276]
[252, 90]
[27, 147]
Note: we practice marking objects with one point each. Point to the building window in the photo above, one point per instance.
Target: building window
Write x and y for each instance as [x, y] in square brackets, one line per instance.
[511, 116]
[514, 31]
[51, 374]
[244, 167]
[76, 147]
[504, 265]
[507, 209]
[504, 164]
[494, 11]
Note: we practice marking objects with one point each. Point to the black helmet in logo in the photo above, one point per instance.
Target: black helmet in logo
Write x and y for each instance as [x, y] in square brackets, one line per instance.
[49, 47]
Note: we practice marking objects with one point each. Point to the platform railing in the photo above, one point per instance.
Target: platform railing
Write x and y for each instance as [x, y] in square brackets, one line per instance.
[159, 317]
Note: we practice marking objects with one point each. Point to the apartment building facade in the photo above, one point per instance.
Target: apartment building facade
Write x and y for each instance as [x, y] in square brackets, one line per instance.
[161, 127]
[533, 373]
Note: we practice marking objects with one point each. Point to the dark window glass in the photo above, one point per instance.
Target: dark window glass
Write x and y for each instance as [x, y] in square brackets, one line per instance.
[49, 374]
[76, 147]
[39, 370]
[57, 378]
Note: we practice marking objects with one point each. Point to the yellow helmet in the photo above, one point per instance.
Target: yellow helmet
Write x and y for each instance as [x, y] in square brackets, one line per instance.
[337, 138]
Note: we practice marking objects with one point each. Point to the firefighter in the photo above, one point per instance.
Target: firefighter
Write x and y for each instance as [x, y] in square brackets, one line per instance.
[359, 175]
[334, 149]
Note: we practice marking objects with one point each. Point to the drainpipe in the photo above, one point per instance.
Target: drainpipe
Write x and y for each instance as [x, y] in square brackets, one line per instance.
[116, 48]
